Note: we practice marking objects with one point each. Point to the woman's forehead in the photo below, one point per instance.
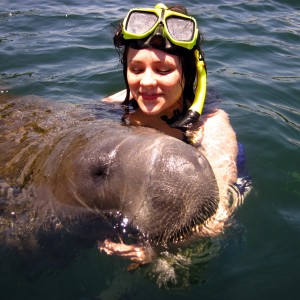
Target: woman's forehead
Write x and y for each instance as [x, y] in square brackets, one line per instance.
[154, 55]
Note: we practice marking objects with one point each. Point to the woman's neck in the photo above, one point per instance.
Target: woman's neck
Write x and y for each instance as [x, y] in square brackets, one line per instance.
[160, 121]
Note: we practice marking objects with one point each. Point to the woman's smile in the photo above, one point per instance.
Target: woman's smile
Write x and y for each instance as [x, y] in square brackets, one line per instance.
[150, 96]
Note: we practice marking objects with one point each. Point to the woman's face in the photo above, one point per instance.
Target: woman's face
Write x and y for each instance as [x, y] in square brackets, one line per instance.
[155, 79]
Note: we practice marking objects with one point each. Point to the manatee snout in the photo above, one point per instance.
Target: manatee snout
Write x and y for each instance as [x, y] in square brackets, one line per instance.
[176, 191]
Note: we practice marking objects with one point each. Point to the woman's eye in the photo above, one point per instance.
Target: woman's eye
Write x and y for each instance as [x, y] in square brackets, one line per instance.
[164, 71]
[136, 70]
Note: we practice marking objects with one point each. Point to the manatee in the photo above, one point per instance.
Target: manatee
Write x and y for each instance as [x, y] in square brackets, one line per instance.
[69, 170]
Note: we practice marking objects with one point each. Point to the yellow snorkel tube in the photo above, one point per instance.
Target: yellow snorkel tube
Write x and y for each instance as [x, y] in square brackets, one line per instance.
[195, 111]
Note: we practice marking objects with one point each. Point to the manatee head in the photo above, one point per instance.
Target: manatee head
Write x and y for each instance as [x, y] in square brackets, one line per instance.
[160, 185]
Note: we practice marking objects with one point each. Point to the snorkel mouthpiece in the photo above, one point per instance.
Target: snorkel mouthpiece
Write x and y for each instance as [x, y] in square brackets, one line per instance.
[195, 111]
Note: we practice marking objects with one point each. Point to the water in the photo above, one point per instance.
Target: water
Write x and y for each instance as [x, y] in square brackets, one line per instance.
[62, 51]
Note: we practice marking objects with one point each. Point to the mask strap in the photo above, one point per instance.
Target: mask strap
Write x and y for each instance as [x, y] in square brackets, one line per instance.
[195, 111]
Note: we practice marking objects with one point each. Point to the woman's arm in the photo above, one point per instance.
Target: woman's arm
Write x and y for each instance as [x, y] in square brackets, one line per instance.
[220, 144]
[217, 139]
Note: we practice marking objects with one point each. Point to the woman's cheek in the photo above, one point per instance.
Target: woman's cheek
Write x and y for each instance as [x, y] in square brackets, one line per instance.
[133, 82]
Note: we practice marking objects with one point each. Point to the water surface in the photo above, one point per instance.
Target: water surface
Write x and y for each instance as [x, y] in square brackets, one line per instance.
[62, 51]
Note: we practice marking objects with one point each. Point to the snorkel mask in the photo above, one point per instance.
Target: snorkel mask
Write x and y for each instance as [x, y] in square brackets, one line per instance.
[165, 29]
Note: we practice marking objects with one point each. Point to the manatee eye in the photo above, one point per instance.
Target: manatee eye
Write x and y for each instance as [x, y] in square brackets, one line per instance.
[101, 165]
[97, 162]
[98, 165]
[98, 171]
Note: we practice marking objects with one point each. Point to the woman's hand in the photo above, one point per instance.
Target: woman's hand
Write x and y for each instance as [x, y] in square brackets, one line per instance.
[137, 252]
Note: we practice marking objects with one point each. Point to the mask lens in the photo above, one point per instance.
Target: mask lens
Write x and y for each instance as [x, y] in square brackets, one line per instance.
[180, 29]
[140, 22]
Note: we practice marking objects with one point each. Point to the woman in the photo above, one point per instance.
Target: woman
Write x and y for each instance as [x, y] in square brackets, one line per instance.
[162, 59]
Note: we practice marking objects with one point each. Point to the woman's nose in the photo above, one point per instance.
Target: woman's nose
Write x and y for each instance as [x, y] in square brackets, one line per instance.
[148, 78]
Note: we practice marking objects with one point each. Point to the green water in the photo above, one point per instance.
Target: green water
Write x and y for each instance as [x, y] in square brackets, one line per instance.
[62, 51]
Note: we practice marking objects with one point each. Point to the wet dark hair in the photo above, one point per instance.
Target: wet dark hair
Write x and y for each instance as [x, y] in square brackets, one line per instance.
[186, 58]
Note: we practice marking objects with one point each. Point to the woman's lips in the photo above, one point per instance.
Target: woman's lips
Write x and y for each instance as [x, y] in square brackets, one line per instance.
[149, 96]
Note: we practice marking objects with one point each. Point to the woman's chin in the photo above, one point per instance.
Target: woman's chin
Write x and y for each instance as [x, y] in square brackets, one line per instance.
[150, 109]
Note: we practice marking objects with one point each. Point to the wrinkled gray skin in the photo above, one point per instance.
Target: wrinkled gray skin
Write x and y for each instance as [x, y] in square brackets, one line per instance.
[67, 169]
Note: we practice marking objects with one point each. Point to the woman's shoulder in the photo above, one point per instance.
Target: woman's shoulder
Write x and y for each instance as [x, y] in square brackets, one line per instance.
[218, 118]
[210, 126]
[118, 97]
